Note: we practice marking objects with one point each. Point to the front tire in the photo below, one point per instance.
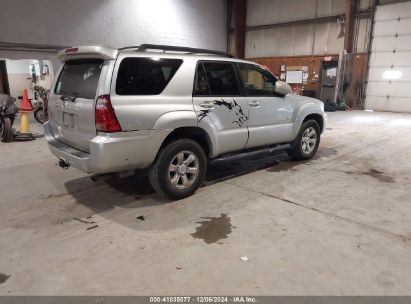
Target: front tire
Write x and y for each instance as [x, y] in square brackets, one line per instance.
[306, 143]
[179, 169]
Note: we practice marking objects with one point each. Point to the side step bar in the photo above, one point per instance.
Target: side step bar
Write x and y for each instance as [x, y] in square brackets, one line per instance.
[251, 153]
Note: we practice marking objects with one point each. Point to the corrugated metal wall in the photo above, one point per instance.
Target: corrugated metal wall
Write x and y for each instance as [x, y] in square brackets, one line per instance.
[311, 38]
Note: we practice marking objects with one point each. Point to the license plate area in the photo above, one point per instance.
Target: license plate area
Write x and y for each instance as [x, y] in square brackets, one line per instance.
[69, 120]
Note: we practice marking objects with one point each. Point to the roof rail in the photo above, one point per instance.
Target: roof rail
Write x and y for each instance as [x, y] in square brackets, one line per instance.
[145, 47]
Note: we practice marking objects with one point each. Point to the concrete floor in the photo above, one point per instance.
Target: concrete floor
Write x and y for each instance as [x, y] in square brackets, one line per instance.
[339, 224]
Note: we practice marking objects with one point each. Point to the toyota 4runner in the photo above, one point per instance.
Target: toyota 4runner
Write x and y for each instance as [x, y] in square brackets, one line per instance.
[172, 110]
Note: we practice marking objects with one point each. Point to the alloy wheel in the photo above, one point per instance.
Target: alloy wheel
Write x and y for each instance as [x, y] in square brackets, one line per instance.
[183, 170]
[308, 140]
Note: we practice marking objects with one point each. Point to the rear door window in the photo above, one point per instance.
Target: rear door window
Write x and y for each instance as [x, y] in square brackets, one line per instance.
[201, 83]
[145, 76]
[216, 79]
[79, 78]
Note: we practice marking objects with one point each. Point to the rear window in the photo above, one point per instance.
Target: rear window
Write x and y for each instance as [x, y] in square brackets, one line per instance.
[79, 78]
[145, 76]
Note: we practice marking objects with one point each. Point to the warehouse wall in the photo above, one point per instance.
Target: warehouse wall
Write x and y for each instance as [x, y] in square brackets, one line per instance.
[274, 39]
[312, 62]
[300, 39]
[291, 40]
[117, 23]
[19, 75]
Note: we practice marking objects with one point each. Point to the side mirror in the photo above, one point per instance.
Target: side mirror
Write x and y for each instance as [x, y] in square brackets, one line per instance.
[282, 87]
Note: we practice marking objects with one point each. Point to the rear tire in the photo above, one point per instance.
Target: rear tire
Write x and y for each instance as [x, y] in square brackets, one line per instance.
[305, 145]
[179, 169]
[7, 130]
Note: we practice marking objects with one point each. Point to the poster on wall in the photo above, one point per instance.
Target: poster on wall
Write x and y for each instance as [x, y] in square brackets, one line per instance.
[294, 77]
[332, 72]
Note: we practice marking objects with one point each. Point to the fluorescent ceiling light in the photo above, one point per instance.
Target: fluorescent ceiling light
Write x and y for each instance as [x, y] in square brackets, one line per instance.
[392, 74]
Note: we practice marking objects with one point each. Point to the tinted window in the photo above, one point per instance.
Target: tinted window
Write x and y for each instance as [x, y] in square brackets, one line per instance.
[145, 76]
[221, 78]
[201, 83]
[257, 82]
[79, 78]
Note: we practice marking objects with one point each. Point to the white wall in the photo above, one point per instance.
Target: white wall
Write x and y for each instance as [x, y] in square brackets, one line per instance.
[19, 76]
[17, 66]
[117, 23]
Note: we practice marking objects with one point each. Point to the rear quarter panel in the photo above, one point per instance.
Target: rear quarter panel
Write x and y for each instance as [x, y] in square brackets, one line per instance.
[149, 112]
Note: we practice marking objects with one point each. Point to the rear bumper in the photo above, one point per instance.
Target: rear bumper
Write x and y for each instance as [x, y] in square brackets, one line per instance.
[110, 152]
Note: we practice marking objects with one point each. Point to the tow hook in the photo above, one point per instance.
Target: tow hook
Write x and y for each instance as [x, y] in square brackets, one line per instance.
[63, 164]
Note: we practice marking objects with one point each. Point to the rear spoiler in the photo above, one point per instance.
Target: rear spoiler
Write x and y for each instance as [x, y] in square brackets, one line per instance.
[87, 52]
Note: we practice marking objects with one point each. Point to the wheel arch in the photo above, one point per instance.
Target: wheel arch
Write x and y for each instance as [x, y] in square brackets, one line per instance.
[317, 117]
[307, 112]
[197, 134]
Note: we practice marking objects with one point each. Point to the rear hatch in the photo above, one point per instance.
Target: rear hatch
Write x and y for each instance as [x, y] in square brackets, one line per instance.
[72, 102]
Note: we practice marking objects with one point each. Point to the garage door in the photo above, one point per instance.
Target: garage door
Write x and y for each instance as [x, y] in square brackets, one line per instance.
[389, 78]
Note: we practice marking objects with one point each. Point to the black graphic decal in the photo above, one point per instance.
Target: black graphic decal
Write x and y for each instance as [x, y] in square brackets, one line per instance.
[203, 113]
[224, 103]
[241, 117]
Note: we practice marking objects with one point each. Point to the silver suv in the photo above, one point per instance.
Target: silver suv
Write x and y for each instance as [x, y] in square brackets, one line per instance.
[172, 110]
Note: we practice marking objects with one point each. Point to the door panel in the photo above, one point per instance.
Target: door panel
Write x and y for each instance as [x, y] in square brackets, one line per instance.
[217, 100]
[270, 122]
[270, 115]
[328, 81]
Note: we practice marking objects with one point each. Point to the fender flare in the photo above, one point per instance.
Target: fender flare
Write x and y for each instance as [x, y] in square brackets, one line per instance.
[176, 119]
[303, 112]
[179, 119]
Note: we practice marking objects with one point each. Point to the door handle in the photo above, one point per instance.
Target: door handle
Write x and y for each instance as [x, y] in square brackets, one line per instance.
[254, 103]
[207, 104]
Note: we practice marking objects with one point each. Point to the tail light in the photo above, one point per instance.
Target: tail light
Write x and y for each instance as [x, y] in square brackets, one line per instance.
[106, 120]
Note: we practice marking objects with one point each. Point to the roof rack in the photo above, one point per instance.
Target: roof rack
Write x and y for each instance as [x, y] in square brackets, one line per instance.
[145, 47]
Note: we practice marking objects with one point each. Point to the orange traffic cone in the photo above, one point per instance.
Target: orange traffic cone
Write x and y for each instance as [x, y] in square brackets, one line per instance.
[25, 103]
[25, 109]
